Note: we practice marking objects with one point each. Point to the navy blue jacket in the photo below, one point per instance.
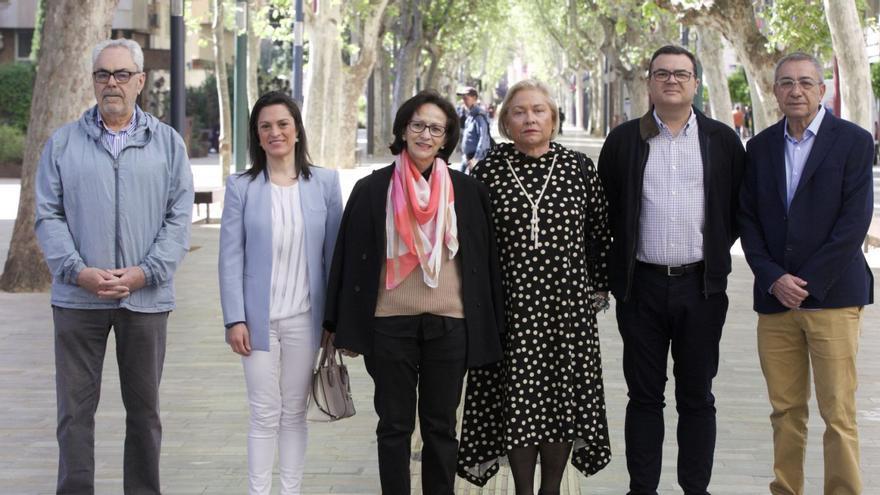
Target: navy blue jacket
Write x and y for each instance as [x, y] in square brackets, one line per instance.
[819, 238]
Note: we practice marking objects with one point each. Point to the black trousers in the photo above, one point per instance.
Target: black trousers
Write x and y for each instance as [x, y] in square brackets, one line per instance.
[666, 312]
[80, 342]
[417, 361]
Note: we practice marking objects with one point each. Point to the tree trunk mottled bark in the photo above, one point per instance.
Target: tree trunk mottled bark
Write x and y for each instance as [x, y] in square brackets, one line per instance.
[735, 19]
[331, 106]
[856, 97]
[62, 91]
[432, 79]
[406, 63]
[597, 100]
[382, 135]
[711, 55]
[218, 31]
[579, 117]
[637, 86]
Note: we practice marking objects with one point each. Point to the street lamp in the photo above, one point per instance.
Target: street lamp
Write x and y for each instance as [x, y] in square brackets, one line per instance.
[178, 86]
[239, 89]
[297, 78]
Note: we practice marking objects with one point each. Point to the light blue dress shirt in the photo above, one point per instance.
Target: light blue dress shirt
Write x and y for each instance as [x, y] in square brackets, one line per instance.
[797, 152]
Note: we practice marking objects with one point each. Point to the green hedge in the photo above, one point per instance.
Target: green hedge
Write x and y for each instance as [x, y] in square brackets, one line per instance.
[11, 144]
[16, 88]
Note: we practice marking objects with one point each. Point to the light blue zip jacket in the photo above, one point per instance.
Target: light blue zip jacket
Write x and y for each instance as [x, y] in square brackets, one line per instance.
[96, 211]
[245, 263]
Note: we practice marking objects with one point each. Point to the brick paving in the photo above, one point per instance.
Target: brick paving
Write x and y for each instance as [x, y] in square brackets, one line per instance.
[205, 416]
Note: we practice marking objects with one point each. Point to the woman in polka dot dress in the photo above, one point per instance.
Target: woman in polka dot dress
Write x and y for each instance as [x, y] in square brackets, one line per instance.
[546, 397]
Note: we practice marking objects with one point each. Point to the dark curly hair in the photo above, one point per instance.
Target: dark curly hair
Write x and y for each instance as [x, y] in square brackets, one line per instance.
[410, 106]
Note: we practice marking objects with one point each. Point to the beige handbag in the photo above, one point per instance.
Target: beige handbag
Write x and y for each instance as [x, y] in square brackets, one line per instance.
[331, 390]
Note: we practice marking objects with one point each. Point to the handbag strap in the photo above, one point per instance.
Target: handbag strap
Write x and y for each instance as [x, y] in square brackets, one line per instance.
[323, 358]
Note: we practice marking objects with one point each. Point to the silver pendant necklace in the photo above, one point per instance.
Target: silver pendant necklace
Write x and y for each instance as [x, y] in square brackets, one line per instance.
[534, 224]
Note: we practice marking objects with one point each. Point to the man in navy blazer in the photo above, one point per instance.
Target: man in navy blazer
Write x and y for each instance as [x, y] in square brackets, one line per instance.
[806, 204]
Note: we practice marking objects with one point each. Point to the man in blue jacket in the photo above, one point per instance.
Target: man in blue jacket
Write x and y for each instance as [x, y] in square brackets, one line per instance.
[475, 140]
[806, 204]
[114, 198]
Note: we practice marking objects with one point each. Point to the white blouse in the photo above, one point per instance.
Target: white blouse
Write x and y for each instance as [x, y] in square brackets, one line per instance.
[290, 281]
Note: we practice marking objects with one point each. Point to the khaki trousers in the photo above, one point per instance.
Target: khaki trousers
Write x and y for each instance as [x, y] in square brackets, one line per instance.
[788, 343]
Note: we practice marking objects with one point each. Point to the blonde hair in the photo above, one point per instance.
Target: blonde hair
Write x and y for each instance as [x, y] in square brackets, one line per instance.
[525, 84]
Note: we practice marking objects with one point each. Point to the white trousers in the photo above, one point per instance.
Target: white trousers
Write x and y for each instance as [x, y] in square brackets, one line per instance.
[278, 386]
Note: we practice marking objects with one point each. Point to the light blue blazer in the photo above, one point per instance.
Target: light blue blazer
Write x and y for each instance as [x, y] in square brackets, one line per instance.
[245, 263]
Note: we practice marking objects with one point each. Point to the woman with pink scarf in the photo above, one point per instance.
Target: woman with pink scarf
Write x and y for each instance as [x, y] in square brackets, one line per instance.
[415, 287]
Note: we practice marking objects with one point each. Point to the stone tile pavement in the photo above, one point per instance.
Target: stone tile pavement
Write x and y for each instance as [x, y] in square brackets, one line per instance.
[205, 416]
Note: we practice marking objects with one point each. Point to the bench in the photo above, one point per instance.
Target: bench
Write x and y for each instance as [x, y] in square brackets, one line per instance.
[207, 197]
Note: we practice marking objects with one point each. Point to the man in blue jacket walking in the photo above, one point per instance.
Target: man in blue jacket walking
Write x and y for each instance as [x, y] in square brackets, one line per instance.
[475, 140]
[806, 204]
[114, 198]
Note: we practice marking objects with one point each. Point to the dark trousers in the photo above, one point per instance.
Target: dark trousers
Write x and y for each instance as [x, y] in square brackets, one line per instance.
[80, 342]
[668, 311]
[411, 369]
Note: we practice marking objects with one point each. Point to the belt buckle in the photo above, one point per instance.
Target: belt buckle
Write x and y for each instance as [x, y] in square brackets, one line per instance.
[674, 271]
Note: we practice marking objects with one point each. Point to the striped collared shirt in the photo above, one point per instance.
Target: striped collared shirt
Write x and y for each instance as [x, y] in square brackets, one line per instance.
[671, 221]
[115, 140]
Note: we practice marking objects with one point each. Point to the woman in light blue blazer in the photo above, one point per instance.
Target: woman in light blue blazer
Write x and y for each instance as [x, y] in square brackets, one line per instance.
[280, 220]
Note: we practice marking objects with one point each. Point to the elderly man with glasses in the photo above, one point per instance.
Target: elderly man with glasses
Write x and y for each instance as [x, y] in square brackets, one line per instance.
[672, 179]
[807, 202]
[114, 196]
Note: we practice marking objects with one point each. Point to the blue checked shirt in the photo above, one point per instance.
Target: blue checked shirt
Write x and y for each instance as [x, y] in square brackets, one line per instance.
[672, 216]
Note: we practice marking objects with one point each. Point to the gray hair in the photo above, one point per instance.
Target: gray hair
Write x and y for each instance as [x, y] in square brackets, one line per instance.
[798, 57]
[511, 93]
[131, 45]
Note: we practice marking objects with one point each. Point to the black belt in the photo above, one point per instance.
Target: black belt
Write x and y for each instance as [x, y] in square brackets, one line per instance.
[674, 271]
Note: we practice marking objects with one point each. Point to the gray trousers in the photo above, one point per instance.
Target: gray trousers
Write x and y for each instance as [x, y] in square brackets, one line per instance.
[80, 342]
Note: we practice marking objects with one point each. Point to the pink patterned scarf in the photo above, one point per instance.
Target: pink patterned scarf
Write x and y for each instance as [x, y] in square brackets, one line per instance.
[419, 219]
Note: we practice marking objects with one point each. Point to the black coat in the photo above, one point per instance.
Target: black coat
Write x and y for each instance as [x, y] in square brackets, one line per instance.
[622, 170]
[357, 262]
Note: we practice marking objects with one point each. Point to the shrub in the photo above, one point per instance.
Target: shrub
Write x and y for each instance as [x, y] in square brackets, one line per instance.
[11, 144]
[738, 84]
[16, 88]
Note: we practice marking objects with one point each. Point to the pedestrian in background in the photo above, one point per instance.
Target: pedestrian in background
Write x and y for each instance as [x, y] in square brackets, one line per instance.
[546, 397]
[280, 219]
[475, 140]
[739, 121]
[672, 178]
[114, 199]
[415, 288]
[807, 203]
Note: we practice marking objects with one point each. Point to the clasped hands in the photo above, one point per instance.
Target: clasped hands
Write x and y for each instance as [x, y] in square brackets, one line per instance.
[789, 290]
[112, 284]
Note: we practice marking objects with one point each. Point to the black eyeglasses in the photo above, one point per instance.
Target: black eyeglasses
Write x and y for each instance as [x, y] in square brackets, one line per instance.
[419, 127]
[121, 76]
[663, 75]
[788, 84]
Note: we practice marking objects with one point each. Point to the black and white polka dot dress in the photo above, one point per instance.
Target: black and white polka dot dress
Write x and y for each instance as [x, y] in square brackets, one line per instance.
[549, 386]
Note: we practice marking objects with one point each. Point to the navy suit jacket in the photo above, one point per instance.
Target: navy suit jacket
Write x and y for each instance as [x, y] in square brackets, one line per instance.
[819, 237]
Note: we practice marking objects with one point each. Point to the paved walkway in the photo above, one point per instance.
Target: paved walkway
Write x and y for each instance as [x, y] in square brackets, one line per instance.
[205, 416]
